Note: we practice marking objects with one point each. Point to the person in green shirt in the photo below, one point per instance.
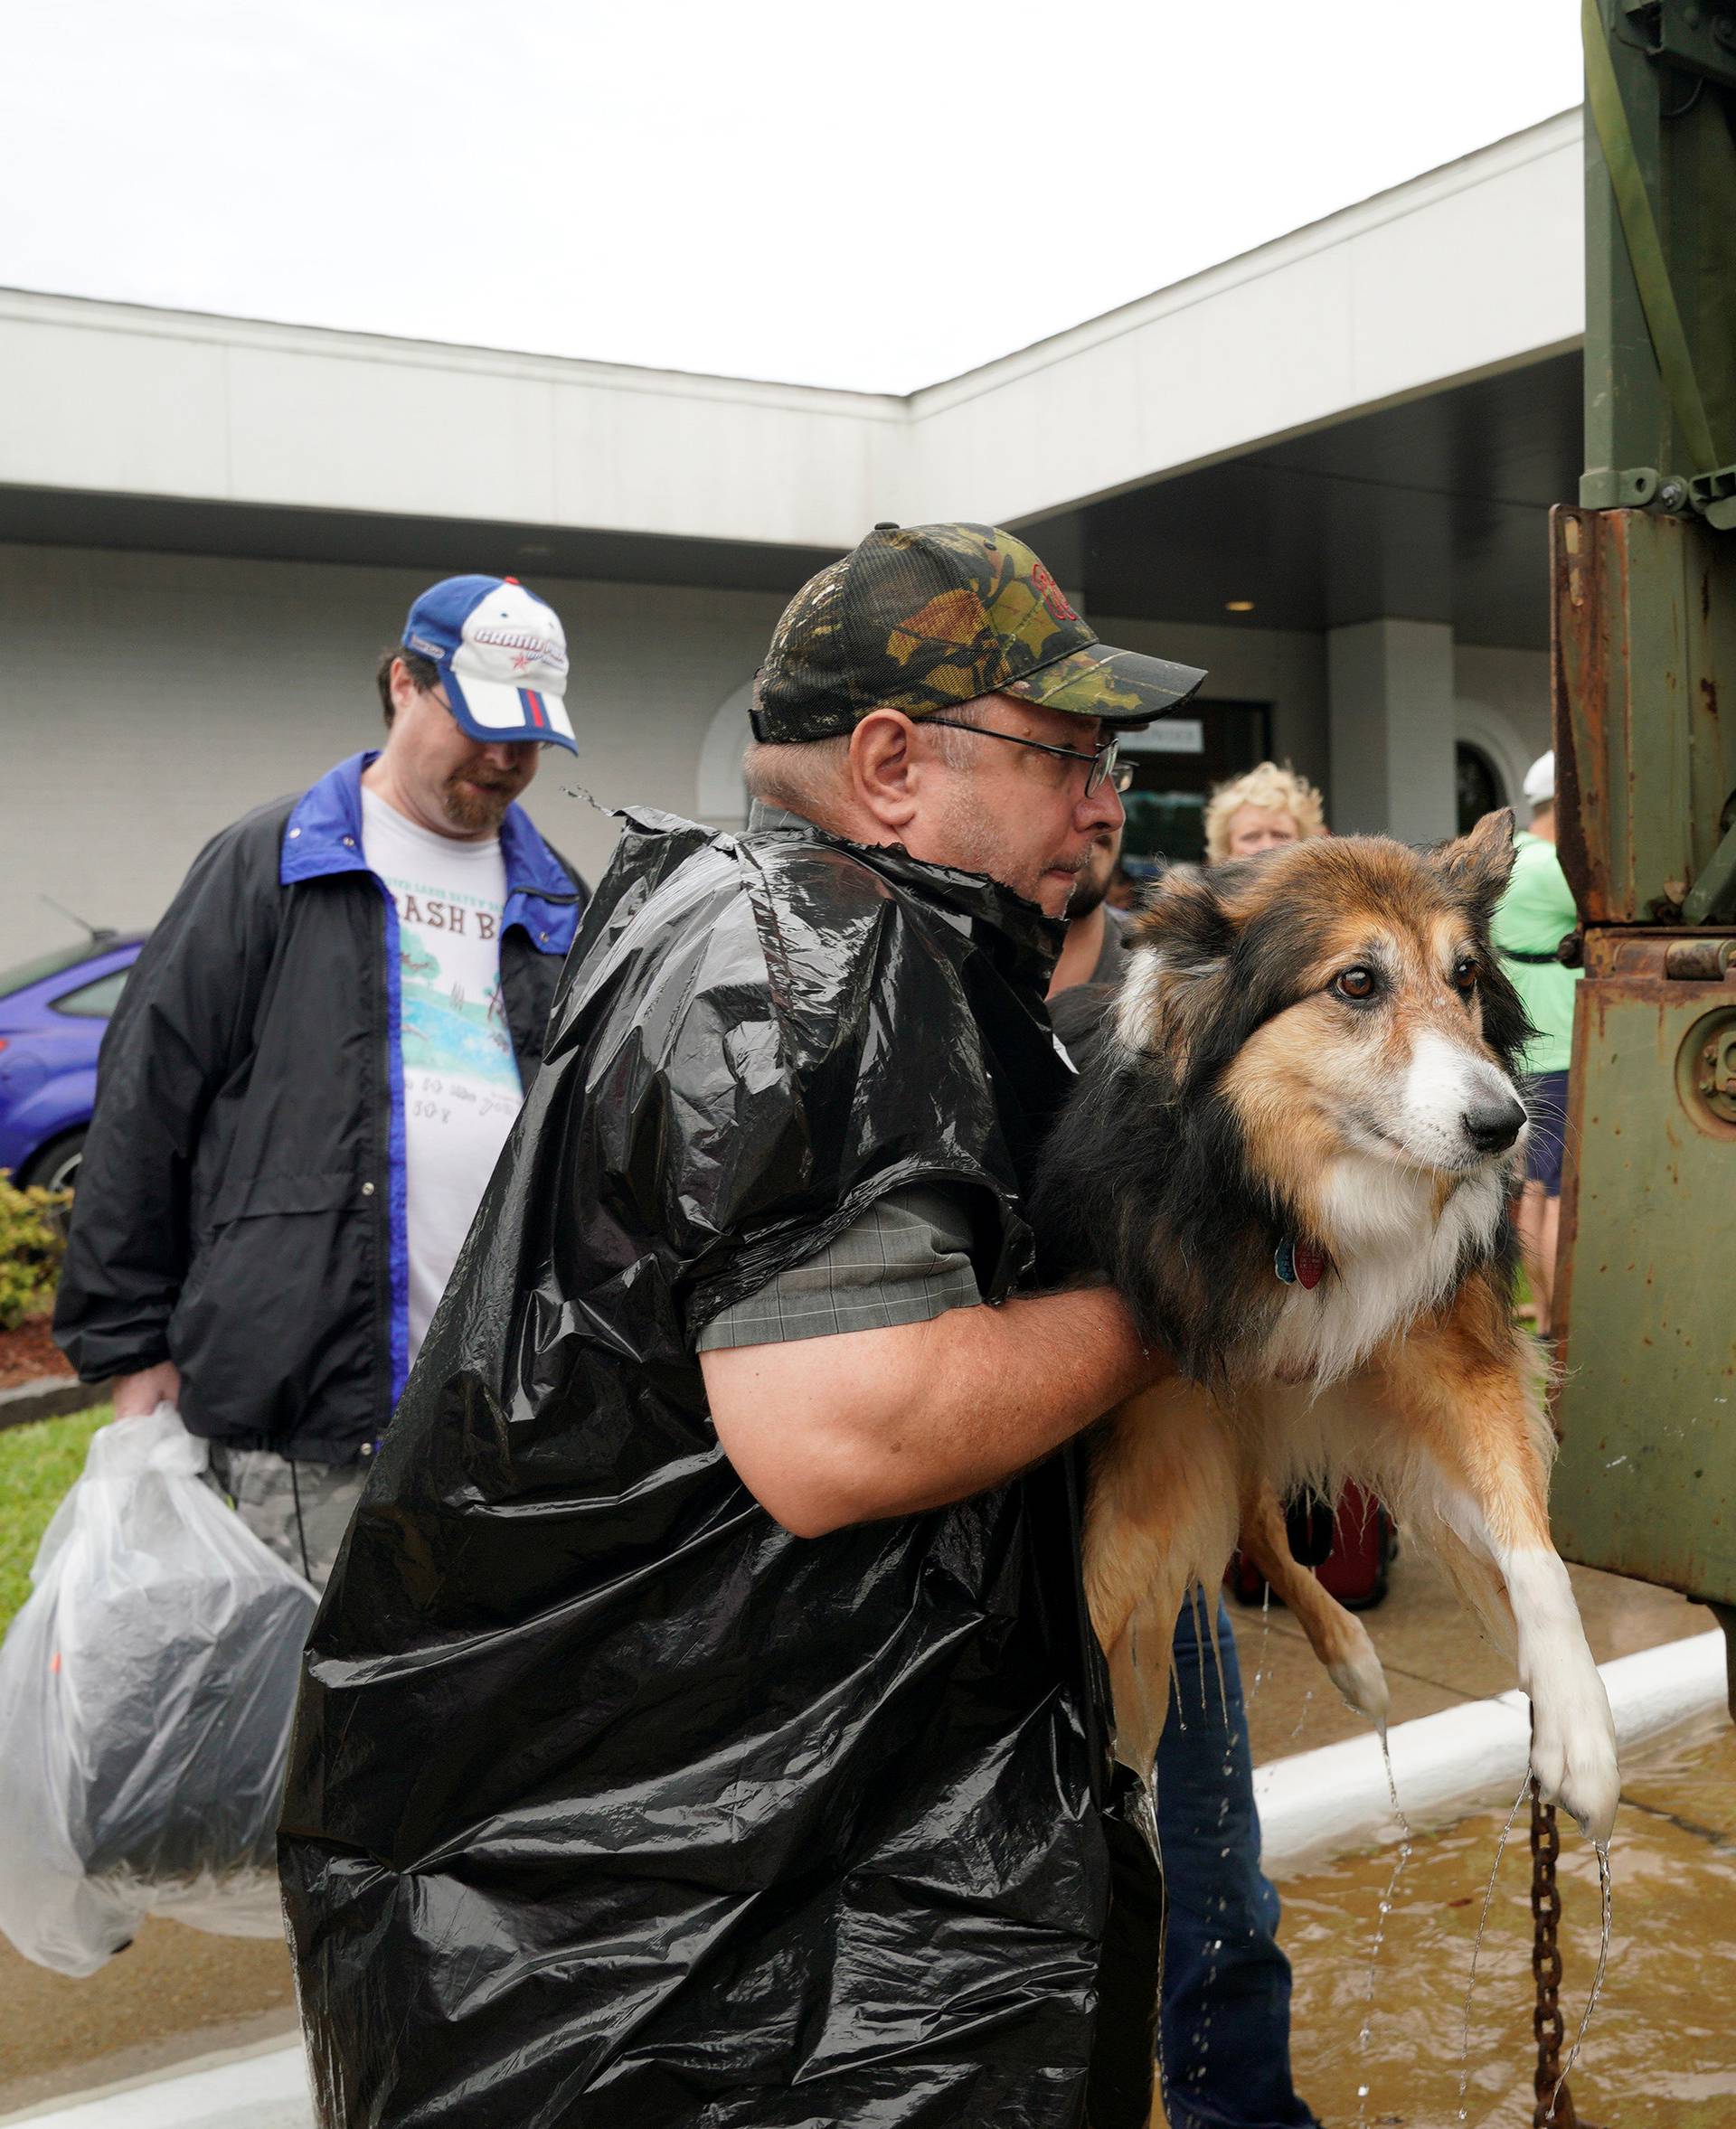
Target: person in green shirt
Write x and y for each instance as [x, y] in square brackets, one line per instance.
[1535, 914]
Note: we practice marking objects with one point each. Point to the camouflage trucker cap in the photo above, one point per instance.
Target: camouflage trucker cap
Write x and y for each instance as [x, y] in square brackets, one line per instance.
[921, 618]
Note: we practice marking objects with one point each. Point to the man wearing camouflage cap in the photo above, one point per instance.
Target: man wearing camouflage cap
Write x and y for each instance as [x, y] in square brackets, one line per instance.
[703, 1726]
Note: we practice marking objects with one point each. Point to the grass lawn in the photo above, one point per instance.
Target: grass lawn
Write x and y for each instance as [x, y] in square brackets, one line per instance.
[38, 1464]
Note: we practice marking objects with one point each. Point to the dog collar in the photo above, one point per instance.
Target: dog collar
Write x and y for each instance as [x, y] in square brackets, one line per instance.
[1299, 1264]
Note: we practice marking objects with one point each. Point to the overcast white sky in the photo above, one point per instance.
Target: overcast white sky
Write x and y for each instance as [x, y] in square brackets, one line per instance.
[874, 194]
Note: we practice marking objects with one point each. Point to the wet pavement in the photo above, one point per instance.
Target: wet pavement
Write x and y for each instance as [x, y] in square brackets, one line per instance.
[1662, 2046]
[1661, 2051]
[173, 1994]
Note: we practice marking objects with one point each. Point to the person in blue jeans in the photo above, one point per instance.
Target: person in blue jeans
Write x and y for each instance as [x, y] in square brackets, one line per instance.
[1226, 1996]
[1225, 2015]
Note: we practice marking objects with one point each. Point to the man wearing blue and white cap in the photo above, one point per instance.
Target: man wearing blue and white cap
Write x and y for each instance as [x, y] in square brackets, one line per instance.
[501, 657]
[313, 1068]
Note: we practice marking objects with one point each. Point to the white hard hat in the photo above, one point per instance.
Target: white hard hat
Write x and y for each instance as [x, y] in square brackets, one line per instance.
[1540, 780]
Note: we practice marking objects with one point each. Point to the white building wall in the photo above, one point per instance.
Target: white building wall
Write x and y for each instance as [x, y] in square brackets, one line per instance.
[147, 701]
[1501, 705]
[1393, 728]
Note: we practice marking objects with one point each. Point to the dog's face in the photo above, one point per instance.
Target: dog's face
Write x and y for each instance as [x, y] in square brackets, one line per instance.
[1342, 996]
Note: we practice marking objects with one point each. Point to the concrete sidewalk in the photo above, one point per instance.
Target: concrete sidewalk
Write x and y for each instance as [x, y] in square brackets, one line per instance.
[1434, 1654]
[264, 2089]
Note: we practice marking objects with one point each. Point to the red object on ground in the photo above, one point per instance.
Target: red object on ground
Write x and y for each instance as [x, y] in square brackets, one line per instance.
[1349, 1551]
[1354, 1570]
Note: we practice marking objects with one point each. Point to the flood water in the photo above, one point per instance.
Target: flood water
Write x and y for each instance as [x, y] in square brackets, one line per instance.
[1661, 2053]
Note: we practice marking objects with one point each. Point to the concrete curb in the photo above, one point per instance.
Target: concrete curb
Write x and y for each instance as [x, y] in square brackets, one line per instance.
[49, 1396]
[1318, 1804]
[1313, 1805]
[262, 2087]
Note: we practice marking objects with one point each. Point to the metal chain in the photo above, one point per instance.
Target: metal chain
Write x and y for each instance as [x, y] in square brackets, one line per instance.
[1546, 2019]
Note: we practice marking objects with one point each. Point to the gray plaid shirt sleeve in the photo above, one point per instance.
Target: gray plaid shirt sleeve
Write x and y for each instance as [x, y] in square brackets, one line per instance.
[906, 1261]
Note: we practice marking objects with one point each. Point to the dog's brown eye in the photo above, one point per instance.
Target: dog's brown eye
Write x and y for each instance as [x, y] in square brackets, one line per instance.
[1356, 982]
[1465, 976]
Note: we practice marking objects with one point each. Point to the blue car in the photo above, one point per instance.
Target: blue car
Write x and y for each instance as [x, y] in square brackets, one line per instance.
[53, 1012]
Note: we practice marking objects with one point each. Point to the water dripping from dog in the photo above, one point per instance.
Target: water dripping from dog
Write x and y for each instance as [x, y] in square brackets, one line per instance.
[1265, 1637]
[1477, 1945]
[1605, 1928]
[1607, 1901]
[1388, 1898]
[1201, 2034]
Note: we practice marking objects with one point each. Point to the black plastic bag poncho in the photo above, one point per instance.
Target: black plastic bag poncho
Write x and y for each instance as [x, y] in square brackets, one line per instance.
[610, 1801]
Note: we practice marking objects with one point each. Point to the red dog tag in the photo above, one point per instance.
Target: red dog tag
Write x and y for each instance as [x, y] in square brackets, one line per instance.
[1310, 1263]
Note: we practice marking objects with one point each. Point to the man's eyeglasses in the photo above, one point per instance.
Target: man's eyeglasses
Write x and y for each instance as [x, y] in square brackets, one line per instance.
[1105, 767]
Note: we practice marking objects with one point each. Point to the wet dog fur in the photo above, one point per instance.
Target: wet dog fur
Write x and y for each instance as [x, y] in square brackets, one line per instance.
[1313, 1052]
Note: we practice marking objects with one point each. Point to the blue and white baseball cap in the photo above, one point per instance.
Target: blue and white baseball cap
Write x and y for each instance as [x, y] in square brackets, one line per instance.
[502, 656]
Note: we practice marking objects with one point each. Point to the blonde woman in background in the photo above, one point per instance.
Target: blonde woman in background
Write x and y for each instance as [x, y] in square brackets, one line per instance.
[1257, 810]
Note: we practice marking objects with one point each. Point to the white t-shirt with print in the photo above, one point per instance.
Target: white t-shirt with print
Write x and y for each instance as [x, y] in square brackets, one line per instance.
[461, 1084]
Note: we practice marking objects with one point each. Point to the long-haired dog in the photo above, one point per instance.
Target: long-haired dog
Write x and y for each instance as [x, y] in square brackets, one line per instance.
[1291, 1153]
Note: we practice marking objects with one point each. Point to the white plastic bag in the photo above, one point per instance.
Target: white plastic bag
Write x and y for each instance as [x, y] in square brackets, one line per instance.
[146, 1691]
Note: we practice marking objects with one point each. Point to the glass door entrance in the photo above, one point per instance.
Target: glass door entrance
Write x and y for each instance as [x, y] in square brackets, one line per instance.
[1175, 763]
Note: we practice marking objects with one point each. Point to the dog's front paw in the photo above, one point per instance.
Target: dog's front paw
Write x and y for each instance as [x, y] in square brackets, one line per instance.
[1573, 1752]
[1358, 1675]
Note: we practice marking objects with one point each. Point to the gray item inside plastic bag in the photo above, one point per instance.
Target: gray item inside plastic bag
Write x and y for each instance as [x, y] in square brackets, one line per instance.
[146, 1691]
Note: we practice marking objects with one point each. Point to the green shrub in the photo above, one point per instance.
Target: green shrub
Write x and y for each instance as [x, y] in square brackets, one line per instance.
[32, 1241]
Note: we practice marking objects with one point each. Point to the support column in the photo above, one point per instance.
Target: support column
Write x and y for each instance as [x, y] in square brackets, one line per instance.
[1390, 689]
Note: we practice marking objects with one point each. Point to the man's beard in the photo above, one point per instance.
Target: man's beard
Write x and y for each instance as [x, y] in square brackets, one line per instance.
[1087, 896]
[1093, 884]
[474, 809]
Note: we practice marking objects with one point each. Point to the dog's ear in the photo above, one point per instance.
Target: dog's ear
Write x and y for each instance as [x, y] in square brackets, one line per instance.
[1183, 918]
[1478, 866]
[1178, 956]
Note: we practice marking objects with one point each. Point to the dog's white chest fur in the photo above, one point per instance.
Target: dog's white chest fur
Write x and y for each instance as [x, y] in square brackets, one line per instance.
[1392, 1259]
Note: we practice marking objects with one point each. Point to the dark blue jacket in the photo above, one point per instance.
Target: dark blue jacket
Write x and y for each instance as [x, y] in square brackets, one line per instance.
[241, 1210]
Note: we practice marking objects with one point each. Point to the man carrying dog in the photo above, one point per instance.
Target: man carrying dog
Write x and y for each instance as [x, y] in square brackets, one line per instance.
[312, 1071]
[703, 1724]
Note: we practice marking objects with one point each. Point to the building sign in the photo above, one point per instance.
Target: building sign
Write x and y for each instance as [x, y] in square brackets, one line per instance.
[1170, 735]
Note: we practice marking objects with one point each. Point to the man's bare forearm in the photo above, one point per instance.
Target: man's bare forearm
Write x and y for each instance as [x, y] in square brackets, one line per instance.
[1001, 1389]
[829, 1431]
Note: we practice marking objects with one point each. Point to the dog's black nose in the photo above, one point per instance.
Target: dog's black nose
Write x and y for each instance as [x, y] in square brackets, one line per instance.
[1492, 1126]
